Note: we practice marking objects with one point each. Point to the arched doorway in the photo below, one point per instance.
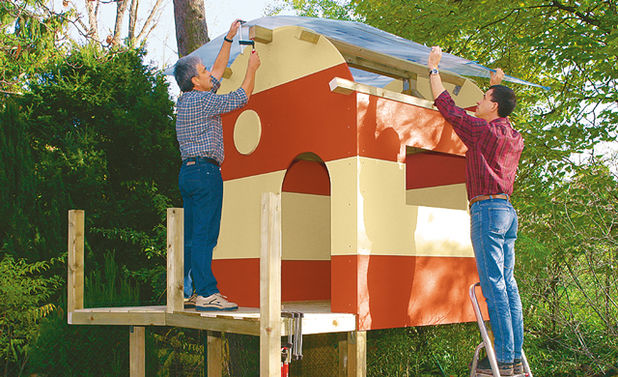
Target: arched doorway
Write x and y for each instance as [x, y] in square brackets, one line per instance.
[305, 226]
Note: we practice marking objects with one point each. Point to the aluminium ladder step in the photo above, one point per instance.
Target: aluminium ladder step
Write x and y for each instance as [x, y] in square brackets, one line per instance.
[486, 343]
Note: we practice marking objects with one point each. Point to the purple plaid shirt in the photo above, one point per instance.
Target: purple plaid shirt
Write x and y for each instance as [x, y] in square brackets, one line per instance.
[493, 152]
[198, 121]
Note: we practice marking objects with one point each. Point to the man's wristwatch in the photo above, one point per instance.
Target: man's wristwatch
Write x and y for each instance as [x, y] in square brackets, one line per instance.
[433, 71]
[227, 39]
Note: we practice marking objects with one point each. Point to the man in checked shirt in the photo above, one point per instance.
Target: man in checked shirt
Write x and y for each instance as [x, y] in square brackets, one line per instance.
[494, 148]
[200, 137]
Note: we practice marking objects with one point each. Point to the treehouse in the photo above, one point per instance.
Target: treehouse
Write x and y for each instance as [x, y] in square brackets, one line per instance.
[366, 224]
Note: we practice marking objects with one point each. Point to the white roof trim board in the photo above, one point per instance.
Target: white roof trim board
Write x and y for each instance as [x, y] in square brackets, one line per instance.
[357, 34]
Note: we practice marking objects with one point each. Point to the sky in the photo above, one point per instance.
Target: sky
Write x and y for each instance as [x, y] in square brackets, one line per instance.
[161, 43]
[219, 16]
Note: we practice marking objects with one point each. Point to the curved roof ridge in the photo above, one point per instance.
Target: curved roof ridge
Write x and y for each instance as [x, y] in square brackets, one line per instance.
[362, 35]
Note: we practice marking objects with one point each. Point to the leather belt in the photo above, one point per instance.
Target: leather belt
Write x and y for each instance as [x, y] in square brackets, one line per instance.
[205, 159]
[485, 197]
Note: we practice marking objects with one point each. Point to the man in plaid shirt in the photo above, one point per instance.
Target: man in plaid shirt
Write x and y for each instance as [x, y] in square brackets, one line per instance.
[200, 137]
[494, 149]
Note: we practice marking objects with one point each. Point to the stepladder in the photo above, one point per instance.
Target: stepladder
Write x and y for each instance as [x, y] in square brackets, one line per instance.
[487, 344]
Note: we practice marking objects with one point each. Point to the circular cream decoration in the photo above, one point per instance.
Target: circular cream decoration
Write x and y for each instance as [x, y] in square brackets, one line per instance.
[247, 132]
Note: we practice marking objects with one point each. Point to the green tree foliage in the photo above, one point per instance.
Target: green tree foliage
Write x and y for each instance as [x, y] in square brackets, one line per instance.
[569, 251]
[567, 248]
[24, 295]
[103, 140]
[82, 351]
[94, 132]
[67, 350]
[17, 196]
[181, 352]
[109, 286]
[30, 38]
[423, 351]
[569, 46]
[91, 129]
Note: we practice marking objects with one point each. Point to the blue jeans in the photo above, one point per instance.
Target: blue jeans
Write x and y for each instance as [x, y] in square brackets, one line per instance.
[493, 224]
[201, 188]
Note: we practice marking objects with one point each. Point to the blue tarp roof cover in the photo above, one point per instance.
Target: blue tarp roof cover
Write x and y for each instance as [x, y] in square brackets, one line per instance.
[357, 34]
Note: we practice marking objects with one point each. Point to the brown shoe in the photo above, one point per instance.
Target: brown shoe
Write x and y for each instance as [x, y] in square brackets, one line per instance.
[518, 366]
[484, 367]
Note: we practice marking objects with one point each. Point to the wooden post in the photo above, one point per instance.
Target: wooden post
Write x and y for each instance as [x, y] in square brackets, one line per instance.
[342, 347]
[270, 286]
[214, 355]
[357, 354]
[75, 262]
[137, 351]
[175, 259]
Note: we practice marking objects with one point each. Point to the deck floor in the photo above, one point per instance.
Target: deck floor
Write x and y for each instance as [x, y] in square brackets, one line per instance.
[317, 318]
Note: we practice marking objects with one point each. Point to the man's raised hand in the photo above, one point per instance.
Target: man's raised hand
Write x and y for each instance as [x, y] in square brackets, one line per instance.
[434, 57]
[496, 77]
[234, 28]
[254, 61]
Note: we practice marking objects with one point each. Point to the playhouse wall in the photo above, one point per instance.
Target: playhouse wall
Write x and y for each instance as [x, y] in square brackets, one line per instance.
[467, 95]
[396, 291]
[290, 126]
[287, 57]
[396, 264]
[398, 257]
[403, 255]
[296, 117]
[298, 114]
[306, 229]
[436, 180]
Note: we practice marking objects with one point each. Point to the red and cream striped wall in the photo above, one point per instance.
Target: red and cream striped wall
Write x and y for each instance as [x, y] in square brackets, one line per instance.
[374, 210]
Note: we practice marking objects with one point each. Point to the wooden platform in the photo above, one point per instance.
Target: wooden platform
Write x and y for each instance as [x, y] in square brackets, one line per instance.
[317, 318]
[269, 321]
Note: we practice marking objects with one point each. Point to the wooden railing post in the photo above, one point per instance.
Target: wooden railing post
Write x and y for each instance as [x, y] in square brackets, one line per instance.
[137, 351]
[75, 263]
[270, 286]
[342, 348]
[357, 354]
[214, 354]
[175, 259]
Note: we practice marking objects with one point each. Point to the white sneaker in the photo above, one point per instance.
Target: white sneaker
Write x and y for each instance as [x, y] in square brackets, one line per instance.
[190, 301]
[215, 301]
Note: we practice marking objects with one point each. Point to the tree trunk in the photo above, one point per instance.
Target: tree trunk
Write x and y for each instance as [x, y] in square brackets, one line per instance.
[121, 7]
[132, 19]
[191, 29]
[93, 25]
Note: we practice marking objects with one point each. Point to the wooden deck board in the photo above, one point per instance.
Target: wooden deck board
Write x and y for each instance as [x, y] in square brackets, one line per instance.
[317, 318]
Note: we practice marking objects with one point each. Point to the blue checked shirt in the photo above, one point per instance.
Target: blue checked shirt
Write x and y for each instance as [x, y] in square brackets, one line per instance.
[198, 121]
